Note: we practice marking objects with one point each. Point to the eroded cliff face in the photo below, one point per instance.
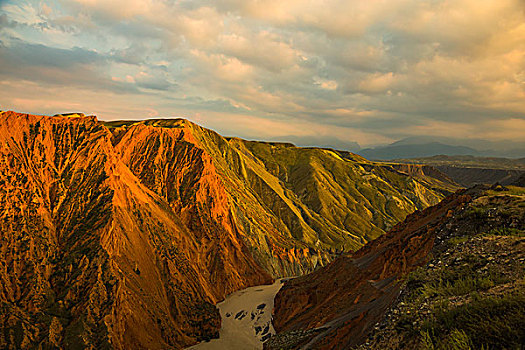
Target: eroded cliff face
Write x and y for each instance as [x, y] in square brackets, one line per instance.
[425, 172]
[337, 306]
[471, 176]
[294, 208]
[91, 257]
[170, 163]
[57, 286]
[209, 185]
[125, 234]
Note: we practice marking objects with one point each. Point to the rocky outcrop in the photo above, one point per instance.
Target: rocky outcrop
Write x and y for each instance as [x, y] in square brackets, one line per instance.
[91, 257]
[470, 294]
[424, 172]
[344, 300]
[295, 208]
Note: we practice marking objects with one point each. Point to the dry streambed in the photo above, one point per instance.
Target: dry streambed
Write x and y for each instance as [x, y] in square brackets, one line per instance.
[246, 319]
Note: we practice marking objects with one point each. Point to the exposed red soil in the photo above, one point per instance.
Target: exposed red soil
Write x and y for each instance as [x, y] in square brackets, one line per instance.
[96, 253]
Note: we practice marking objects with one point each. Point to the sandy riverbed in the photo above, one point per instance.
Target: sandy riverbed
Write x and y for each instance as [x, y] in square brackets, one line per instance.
[246, 319]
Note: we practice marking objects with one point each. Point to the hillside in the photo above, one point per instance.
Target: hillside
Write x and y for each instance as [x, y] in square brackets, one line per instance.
[450, 276]
[126, 234]
[469, 170]
[91, 257]
[295, 206]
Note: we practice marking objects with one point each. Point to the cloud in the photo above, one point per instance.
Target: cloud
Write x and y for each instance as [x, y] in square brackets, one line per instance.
[377, 83]
[223, 67]
[153, 81]
[263, 49]
[369, 72]
[39, 55]
[74, 67]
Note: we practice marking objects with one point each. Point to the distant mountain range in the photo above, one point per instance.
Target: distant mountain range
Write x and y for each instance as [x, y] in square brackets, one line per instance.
[416, 147]
[396, 150]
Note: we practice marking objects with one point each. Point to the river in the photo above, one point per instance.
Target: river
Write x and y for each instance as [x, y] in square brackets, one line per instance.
[246, 319]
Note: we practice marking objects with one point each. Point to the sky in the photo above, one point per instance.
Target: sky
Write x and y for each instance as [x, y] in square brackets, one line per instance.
[314, 72]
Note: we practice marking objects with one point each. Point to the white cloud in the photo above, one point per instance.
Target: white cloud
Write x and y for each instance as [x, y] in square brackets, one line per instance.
[381, 69]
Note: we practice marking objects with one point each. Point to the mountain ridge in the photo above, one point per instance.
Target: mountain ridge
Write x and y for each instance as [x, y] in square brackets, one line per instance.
[469, 170]
[157, 221]
[395, 291]
[428, 146]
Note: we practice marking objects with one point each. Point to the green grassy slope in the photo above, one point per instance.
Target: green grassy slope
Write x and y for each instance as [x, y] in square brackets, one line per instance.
[471, 293]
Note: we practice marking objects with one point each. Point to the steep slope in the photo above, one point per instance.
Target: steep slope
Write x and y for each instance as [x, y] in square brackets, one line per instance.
[343, 300]
[93, 258]
[125, 234]
[339, 305]
[169, 162]
[426, 172]
[52, 268]
[293, 206]
[471, 294]
[520, 182]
